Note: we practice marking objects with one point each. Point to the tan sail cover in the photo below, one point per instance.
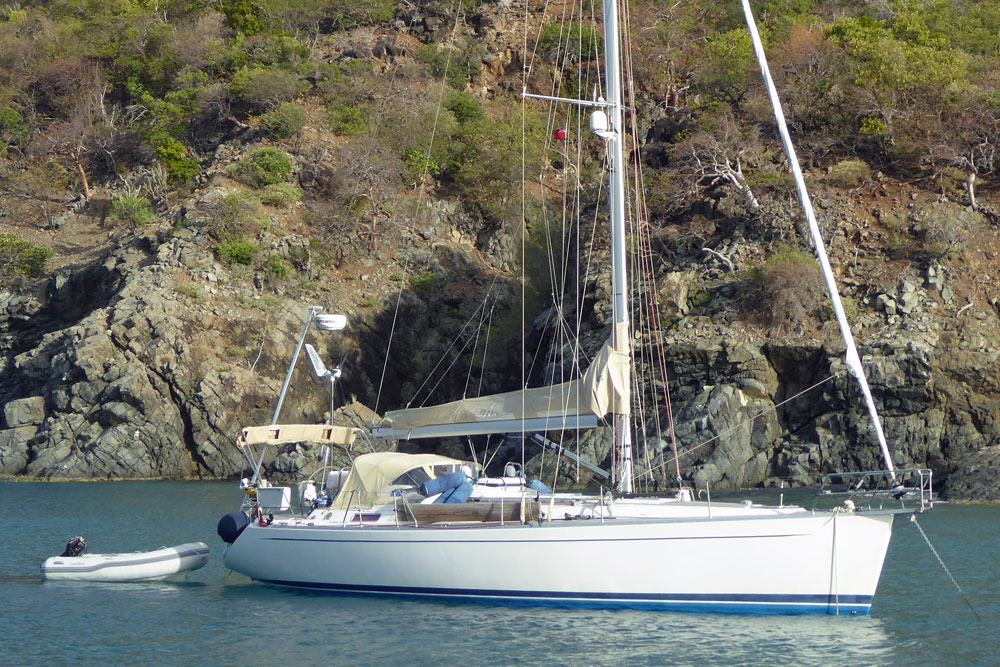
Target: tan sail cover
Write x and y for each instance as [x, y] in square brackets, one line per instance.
[281, 434]
[603, 389]
[373, 473]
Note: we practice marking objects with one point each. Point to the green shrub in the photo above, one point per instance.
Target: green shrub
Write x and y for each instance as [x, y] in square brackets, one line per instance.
[419, 165]
[188, 90]
[945, 235]
[277, 268]
[193, 292]
[174, 156]
[264, 166]
[281, 49]
[903, 56]
[233, 352]
[285, 122]
[425, 283]
[850, 173]
[132, 208]
[728, 64]
[850, 309]
[243, 16]
[458, 66]
[281, 195]
[482, 163]
[776, 181]
[578, 40]
[236, 249]
[13, 13]
[348, 119]
[13, 131]
[266, 87]
[873, 127]
[22, 258]
[237, 214]
[464, 107]
[349, 14]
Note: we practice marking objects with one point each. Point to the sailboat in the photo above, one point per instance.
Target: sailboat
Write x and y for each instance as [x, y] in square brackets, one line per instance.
[429, 526]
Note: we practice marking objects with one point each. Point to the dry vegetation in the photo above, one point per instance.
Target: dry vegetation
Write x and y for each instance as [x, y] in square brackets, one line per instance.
[316, 117]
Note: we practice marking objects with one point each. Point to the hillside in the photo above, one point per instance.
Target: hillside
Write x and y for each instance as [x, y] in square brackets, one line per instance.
[180, 180]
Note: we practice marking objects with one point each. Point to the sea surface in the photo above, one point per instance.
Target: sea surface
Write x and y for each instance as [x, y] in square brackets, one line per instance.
[216, 617]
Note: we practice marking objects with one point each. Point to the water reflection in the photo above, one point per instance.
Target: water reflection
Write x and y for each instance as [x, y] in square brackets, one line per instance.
[163, 586]
[460, 632]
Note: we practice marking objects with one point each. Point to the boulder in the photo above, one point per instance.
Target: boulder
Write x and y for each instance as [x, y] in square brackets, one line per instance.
[672, 294]
[24, 412]
[14, 449]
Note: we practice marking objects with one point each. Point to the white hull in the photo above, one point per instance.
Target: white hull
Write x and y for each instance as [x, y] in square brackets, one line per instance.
[138, 566]
[799, 562]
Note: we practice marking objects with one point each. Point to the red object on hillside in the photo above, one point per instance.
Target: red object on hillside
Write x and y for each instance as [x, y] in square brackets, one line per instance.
[560, 134]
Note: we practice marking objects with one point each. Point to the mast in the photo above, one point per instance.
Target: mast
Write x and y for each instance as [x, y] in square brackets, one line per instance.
[616, 201]
[607, 123]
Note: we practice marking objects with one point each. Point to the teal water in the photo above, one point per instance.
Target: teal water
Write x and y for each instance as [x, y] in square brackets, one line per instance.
[221, 618]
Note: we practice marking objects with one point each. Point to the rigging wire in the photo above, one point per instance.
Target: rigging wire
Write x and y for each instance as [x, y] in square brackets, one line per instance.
[475, 347]
[654, 340]
[420, 199]
[557, 276]
[773, 408]
[451, 346]
[524, 192]
[486, 346]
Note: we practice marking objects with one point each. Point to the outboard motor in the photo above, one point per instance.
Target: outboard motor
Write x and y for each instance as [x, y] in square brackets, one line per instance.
[231, 525]
[75, 547]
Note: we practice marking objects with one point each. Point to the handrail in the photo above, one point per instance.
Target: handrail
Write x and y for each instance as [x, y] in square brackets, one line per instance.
[873, 487]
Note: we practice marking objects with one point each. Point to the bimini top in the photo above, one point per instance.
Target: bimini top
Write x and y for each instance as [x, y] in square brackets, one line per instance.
[372, 474]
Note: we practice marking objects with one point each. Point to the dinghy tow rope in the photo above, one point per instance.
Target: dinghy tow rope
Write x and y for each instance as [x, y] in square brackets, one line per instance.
[913, 518]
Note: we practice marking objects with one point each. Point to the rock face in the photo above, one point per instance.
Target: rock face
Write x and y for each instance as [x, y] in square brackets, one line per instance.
[126, 389]
[146, 362]
[123, 370]
[751, 415]
[976, 476]
[762, 414]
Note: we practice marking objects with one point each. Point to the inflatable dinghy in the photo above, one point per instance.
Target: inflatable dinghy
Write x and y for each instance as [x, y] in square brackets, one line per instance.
[137, 566]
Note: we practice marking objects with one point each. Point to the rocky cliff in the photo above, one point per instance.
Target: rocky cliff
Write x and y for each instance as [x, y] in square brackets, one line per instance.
[146, 362]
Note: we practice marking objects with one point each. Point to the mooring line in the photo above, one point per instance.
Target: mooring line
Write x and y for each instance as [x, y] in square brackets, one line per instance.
[913, 518]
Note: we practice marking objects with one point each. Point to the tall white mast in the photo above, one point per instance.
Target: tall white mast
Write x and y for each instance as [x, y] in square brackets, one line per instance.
[606, 122]
[616, 200]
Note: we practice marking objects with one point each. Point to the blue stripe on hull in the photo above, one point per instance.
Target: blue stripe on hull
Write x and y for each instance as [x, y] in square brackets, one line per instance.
[858, 605]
